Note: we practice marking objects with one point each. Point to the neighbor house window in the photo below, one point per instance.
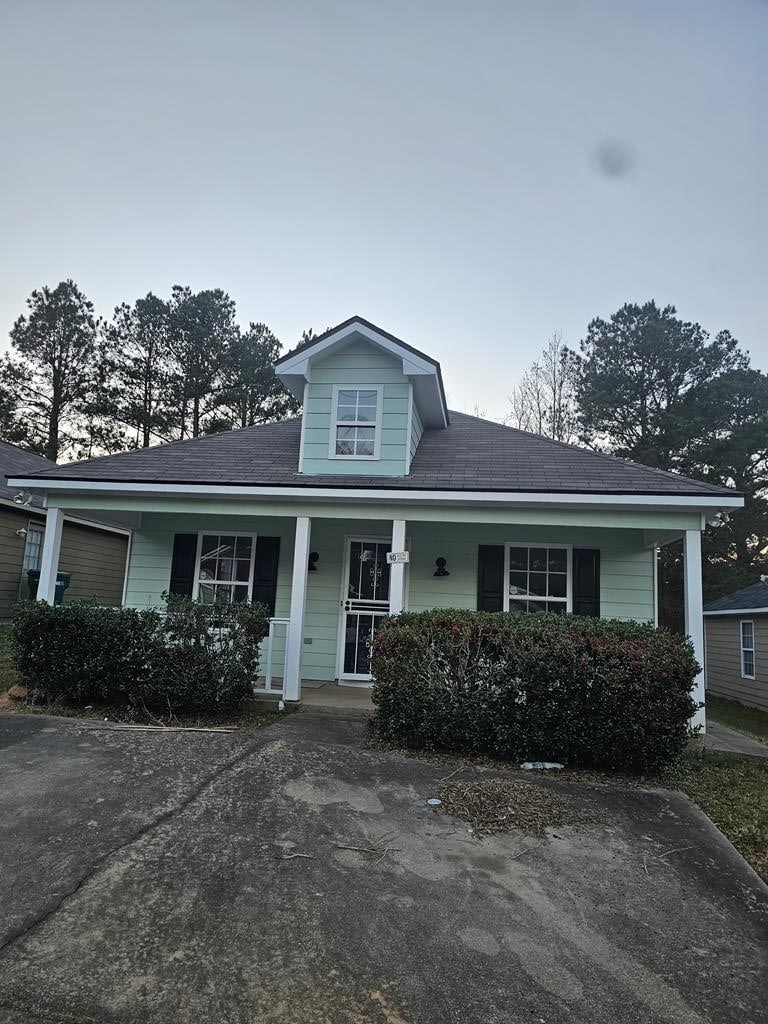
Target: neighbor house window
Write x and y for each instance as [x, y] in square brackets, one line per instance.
[747, 648]
[33, 548]
[224, 567]
[538, 578]
[356, 423]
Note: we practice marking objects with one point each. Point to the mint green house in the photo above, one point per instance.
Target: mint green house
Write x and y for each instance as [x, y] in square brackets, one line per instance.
[379, 499]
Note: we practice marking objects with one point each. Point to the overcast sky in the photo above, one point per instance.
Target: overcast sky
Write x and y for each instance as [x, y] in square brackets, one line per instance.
[471, 176]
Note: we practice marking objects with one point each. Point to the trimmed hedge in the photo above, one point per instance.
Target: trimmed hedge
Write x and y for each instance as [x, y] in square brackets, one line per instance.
[584, 691]
[193, 658]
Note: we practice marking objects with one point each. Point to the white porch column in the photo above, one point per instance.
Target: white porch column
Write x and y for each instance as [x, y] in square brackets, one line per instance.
[49, 561]
[292, 679]
[397, 571]
[694, 613]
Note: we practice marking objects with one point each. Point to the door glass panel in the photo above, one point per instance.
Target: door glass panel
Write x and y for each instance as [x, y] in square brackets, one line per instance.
[359, 629]
[368, 571]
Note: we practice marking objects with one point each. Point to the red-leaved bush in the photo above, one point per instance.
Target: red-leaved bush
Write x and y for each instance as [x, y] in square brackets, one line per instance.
[583, 691]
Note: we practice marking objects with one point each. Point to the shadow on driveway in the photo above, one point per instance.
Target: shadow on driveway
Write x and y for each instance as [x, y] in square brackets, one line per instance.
[162, 878]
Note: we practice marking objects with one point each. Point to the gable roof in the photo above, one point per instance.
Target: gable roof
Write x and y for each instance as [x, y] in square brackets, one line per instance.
[471, 454]
[15, 461]
[751, 598]
[422, 371]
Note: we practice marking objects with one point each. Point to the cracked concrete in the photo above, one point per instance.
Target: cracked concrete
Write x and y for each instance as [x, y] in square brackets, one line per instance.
[212, 888]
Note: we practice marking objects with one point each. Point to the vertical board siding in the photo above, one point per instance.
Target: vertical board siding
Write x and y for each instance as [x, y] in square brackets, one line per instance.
[626, 568]
[723, 659]
[358, 363]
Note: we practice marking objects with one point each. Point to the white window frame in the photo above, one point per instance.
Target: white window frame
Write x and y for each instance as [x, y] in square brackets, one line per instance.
[744, 649]
[31, 525]
[568, 548]
[335, 422]
[217, 532]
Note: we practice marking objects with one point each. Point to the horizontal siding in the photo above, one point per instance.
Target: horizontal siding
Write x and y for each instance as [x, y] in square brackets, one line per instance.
[149, 571]
[12, 555]
[723, 660]
[359, 363]
[626, 577]
[96, 559]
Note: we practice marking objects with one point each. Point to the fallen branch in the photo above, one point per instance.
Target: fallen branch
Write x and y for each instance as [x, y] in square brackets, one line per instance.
[293, 856]
[174, 728]
[680, 849]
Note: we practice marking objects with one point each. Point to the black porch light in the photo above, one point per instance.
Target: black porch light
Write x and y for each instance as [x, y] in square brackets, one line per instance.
[440, 570]
[313, 557]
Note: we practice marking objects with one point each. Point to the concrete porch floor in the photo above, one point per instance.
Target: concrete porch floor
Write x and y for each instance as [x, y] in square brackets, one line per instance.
[320, 695]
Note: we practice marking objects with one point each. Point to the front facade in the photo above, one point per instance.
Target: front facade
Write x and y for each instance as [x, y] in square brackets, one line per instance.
[379, 499]
[736, 629]
[94, 555]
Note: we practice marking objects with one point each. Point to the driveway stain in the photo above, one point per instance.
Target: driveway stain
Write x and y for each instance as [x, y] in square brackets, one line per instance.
[183, 907]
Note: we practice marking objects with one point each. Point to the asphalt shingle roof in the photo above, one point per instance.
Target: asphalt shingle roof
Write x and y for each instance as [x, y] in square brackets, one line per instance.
[471, 454]
[18, 462]
[753, 596]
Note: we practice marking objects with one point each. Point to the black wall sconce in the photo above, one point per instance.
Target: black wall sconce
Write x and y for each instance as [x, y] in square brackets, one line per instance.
[440, 570]
[313, 557]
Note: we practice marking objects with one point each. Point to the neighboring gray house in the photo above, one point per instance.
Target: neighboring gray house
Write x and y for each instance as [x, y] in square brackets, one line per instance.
[736, 628]
[94, 553]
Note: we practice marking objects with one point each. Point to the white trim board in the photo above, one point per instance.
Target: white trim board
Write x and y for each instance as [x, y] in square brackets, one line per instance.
[415, 367]
[737, 611]
[37, 510]
[336, 423]
[414, 496]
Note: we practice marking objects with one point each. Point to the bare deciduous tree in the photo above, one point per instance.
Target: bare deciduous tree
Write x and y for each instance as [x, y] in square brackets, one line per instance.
[544, 400]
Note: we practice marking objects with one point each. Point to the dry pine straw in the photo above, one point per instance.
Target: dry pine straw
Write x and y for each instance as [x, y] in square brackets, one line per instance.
[501, 805]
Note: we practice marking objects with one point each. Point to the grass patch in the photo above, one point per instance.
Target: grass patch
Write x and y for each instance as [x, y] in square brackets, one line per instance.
[751, 721]
[732, 789]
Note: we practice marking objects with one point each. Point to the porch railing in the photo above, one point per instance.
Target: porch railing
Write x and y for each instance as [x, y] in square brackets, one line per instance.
[269, 674]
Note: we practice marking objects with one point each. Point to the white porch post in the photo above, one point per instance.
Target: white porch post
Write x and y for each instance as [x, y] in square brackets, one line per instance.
[292, 680]
[49, 561]
[397, 571]
[694, 613]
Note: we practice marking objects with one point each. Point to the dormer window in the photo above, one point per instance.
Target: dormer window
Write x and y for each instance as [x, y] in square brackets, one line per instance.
[356, 430]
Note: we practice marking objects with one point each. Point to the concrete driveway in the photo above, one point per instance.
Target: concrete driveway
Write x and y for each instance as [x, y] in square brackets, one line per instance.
[202, 879]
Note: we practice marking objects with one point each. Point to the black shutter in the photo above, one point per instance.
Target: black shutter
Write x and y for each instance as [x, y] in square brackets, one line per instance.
[183, 564]
[586, 582]
[265, 572]
[490, 578]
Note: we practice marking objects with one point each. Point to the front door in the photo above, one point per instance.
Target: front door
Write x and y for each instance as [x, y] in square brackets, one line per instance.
[364, 602]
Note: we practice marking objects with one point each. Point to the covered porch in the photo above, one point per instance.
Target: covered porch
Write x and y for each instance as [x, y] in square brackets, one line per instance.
[326, 570]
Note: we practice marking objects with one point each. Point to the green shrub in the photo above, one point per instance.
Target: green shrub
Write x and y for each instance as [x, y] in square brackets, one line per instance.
[583, 691]
[82, 651]
[193, 658]
[210, 656]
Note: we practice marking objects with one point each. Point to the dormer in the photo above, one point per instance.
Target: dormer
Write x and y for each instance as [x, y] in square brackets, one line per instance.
[367, 398]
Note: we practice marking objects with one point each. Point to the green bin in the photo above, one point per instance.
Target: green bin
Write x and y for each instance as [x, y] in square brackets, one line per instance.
[63, 579]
